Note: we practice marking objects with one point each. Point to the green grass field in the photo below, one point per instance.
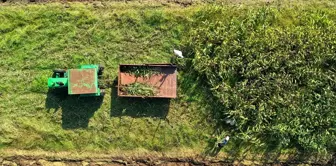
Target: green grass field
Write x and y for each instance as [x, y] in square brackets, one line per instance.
[36, 38]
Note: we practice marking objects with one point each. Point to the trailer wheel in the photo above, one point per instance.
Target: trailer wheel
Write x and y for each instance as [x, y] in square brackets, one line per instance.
[100, 70]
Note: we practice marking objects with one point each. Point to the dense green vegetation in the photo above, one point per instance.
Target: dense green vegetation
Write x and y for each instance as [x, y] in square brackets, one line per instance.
[268, 67]
[272, 70]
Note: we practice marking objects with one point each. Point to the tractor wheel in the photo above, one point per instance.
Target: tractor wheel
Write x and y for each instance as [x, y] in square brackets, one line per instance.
[101, 69]
[59, 70]
[102, 92]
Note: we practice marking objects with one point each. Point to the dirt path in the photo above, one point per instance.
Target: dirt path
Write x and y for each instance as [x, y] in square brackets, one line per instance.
[178, 157]
[47, 161]
[37, 161]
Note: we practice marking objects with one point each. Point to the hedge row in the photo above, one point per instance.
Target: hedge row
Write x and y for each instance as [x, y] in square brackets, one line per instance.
[273, 71]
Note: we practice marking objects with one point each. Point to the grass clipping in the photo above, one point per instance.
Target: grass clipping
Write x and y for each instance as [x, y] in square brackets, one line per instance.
[142, 71]
[139, 89]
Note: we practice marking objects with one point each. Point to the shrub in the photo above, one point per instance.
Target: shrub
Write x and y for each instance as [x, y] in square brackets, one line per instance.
[275, 78]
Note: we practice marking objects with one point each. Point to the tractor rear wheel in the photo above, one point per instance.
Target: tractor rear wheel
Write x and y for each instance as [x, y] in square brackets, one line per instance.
[59, 70]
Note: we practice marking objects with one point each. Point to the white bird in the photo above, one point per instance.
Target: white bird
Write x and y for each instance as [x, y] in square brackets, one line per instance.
[178, 53]
[227, 138]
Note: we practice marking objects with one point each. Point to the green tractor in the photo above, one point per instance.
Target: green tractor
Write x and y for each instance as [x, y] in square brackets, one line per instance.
[82, 81]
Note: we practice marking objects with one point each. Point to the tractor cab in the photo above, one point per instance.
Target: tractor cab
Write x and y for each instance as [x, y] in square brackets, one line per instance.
[82, 81]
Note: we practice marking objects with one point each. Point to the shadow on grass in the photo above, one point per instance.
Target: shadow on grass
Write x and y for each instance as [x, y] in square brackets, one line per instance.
[76, 111]
[212, 149]
[195, 90]
[138, 107]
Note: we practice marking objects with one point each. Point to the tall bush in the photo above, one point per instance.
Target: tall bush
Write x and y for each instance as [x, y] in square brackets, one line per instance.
[272, 70]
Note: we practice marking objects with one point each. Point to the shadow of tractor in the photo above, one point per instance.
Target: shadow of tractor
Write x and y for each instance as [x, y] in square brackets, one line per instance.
[76, 111]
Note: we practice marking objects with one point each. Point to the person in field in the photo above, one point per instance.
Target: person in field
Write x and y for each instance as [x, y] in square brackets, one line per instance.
[224, 142]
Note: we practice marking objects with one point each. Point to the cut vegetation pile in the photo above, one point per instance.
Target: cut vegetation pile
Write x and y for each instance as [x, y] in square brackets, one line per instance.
[139, 89]
[142, 71]
[269, 69]
[148, 80]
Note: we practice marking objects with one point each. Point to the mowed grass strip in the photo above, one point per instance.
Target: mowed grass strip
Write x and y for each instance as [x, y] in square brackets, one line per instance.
[38, 38]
